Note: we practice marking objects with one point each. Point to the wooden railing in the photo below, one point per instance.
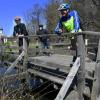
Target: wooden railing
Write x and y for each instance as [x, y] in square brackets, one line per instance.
[81, 70]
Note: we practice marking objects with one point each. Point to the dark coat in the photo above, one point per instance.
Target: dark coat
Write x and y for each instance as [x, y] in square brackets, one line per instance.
[21, 30]
[43, 32]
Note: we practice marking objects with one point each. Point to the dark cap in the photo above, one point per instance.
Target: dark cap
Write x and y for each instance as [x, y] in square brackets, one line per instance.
[40, 25]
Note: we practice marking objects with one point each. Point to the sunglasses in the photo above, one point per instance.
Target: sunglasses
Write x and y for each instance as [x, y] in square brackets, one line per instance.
[17, 20]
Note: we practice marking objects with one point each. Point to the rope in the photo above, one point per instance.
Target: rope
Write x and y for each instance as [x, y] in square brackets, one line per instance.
[48, 93]
[40, 85]
[43, 89]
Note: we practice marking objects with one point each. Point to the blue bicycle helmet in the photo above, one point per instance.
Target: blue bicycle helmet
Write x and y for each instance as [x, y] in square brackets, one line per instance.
[64, 6]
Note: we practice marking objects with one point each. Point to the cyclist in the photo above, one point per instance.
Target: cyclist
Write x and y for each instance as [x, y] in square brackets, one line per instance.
[69, 22]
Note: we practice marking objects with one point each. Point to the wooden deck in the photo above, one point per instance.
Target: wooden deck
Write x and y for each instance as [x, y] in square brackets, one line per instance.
[58, 63]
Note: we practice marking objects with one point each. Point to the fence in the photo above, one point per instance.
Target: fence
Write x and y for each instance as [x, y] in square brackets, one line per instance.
[81, 53]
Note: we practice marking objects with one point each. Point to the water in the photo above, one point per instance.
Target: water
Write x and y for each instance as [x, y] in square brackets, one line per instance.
[2, 70]
[33, 83]
[15, 83]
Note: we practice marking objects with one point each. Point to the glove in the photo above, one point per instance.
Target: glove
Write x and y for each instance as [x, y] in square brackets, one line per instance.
[71, 35]
[58, 32]
[73, 31]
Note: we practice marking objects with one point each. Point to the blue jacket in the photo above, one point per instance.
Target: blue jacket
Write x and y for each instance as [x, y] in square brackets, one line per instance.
[69, 23]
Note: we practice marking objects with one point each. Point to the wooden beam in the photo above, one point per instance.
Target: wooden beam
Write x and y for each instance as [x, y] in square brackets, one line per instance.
[14, 63]
[69, 80]
[46, 76]
[77, 33]
[49, 67]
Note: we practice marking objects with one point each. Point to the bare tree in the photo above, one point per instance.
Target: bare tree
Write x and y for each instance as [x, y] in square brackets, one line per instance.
[33, 17]
[51, 14]
[89, 13]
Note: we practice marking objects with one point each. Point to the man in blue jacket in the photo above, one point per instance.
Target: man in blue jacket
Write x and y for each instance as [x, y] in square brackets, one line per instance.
[70, 22]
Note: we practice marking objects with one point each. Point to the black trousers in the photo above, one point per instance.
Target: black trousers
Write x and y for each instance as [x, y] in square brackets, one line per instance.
[74, 47]
[20, 43]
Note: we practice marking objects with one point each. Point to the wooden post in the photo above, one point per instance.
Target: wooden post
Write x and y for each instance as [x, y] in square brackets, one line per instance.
[98, 71]
[1, 51]
[96, 83]
[25, 61]
[25, 50]
[81, 72]
[86, 45]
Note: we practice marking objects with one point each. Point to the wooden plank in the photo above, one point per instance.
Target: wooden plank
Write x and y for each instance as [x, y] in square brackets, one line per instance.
[62, 65]
[49, 67]
[68, 80]
[40, 66]
[46, 76]
[91, 53]
[54, 61]
[14, 63]
[62, 62]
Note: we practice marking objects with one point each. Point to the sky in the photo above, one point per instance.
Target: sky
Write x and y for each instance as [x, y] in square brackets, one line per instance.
[11, 8]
